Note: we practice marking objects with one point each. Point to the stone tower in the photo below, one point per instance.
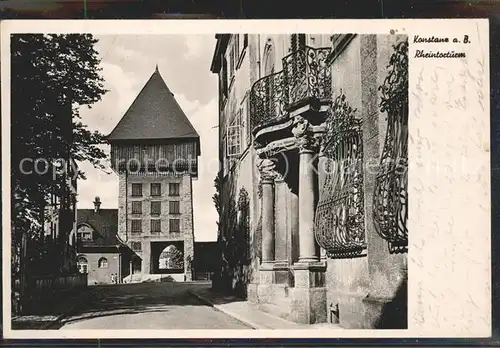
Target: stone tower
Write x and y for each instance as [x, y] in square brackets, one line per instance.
[154, 151]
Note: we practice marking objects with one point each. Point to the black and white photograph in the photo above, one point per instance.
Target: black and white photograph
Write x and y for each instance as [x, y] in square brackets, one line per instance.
[225, 181]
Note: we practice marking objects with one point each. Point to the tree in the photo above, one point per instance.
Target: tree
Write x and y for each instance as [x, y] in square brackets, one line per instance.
[52, 76]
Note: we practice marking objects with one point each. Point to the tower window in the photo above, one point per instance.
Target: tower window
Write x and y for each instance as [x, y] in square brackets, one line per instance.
[136, 190]
[155, 208]
[174, 225]
[136, 207]
[136, 226]
[155, 189]
[174, 189]
[155, 225]
[174, 207]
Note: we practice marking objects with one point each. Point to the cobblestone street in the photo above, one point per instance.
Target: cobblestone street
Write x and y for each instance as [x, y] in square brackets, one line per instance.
[159, 306]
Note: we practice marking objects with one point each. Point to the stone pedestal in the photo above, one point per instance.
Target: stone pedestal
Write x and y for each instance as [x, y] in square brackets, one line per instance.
[252, 295]
[308, 297]
[265, 287]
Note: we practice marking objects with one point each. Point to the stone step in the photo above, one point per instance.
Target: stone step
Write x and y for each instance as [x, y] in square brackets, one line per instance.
[281, 311]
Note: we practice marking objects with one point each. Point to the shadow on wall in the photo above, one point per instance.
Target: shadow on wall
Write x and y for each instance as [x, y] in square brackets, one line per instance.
[394, 314]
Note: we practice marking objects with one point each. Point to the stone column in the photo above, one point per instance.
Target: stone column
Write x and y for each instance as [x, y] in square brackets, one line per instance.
[265, 290]
[267, 176]
[281, 229]
[307, 145]
[308, 296]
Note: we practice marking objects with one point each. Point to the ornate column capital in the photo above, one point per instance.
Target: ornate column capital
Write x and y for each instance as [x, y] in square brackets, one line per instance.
[267, 169]
[305, 139]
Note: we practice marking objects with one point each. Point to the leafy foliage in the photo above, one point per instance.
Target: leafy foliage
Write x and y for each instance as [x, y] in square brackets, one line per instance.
[233, 239]
[52, 76]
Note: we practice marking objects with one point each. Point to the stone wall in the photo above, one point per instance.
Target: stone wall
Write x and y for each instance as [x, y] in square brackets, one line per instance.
[146, 237]
[188, 225]
[347, 279]
[123, 234]
[363, 287]
[387, 272]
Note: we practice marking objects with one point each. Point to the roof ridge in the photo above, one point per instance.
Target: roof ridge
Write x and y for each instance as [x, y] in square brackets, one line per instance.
[155, 113]
[132, 103]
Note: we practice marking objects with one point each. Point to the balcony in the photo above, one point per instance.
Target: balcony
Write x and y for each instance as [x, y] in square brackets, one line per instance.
[305, 80]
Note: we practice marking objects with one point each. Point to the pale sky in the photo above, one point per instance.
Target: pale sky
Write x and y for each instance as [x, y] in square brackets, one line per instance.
[184, 63]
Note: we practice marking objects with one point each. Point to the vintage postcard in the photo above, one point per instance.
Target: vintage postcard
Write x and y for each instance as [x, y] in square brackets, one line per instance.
[223, 179]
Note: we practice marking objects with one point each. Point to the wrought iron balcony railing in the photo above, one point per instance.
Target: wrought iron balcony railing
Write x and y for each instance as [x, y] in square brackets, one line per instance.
[305, 76]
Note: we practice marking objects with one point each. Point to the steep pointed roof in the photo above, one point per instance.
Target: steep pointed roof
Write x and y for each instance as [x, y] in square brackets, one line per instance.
[154, 115]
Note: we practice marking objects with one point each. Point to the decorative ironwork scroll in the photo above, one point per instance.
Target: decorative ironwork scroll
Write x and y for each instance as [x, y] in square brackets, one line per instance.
[390, 201]
[339, 220]
[266, 100]
[244, 225]
[305, 75]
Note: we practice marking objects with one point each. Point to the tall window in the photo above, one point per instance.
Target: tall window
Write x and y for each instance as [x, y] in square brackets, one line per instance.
[174, 207]
[155, 225]
[136, 246]
[339, 221]
[155, 189]
[234, 55]
[136, 190]
[174, 225]
[174, 189]
[155, 208]
[136, 226]
[234, 133]
[136, 207]
[102, 263]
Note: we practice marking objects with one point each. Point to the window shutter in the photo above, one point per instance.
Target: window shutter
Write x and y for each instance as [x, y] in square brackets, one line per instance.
[155, 208]
[137, 207]
[136, 226]
[247, 120]
[136, 190]
[224, 76]
[156, 226]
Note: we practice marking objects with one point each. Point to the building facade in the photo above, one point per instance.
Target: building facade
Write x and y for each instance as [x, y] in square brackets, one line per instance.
[313, 134]
[154, 151]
